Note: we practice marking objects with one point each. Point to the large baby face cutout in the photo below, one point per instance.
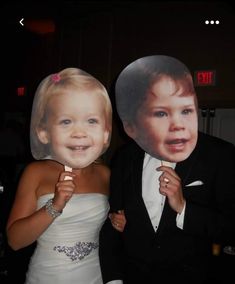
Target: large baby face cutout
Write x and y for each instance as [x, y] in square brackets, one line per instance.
[71, 119]
[157, 104]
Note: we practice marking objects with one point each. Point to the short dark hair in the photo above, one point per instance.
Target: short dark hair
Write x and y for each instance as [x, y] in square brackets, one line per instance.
[135, 80]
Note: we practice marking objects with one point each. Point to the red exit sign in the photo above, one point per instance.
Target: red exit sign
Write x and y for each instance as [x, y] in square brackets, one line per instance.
[204, 78]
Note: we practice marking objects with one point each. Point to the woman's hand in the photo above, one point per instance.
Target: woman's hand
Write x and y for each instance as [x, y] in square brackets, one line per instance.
[118, 220]
[63, 190]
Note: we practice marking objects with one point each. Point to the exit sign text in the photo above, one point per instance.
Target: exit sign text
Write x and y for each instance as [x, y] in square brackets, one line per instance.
[204, 78]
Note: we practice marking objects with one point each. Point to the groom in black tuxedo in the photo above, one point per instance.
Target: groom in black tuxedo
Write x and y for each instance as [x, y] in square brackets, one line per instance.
[175, 185]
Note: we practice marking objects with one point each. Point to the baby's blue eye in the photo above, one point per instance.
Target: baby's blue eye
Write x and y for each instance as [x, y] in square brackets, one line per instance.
[187, 111]
[93, 120]
[160, 113]
[65, 121]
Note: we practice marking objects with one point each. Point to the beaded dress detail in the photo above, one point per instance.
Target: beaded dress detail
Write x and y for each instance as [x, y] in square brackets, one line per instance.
[67, 252]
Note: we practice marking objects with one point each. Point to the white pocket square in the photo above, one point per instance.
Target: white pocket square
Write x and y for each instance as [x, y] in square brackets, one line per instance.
[195, 183]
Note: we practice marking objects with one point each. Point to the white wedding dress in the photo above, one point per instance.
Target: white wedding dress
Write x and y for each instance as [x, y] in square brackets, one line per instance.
[67, 252]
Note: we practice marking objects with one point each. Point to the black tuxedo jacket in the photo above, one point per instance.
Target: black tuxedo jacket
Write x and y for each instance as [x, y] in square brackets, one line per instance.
[209, 213]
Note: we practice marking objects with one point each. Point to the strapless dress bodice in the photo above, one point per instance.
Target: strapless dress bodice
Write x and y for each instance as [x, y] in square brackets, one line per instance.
[67, 252]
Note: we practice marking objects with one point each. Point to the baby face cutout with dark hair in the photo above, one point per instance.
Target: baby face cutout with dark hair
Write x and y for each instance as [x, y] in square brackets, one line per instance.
[72, 127]
[157, 104]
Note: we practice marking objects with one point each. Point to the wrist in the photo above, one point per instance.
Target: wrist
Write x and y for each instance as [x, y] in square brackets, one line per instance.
[182, 207]
[51, 210]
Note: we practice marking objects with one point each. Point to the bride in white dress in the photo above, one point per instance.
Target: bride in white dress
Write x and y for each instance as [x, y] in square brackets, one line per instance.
[71, 242]
[61, 207]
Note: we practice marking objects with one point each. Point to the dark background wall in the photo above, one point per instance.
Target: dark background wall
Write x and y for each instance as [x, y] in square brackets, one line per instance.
[103, 37]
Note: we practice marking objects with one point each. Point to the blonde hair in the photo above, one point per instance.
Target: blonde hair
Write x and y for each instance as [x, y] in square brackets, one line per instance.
[52, 85]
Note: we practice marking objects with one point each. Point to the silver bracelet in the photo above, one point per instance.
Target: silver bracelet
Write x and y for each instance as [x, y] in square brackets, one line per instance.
[51, 210]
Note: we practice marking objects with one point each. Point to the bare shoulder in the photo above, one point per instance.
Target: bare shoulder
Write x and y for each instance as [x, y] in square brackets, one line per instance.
[37, 168]
[102, 178]
[33, 168]
[36, 171]
[103, 170]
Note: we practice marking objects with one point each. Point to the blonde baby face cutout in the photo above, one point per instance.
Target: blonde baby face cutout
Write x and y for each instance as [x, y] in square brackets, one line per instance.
[71, 119]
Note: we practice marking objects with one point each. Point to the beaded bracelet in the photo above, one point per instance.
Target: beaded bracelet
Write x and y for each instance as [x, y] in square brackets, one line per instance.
[51, 210]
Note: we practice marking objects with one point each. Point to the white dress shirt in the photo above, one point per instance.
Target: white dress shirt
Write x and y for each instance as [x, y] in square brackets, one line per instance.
[153, 200]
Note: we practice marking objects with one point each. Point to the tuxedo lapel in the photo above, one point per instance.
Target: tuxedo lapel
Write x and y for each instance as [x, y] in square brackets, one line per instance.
[136, 174]
[137, 168]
